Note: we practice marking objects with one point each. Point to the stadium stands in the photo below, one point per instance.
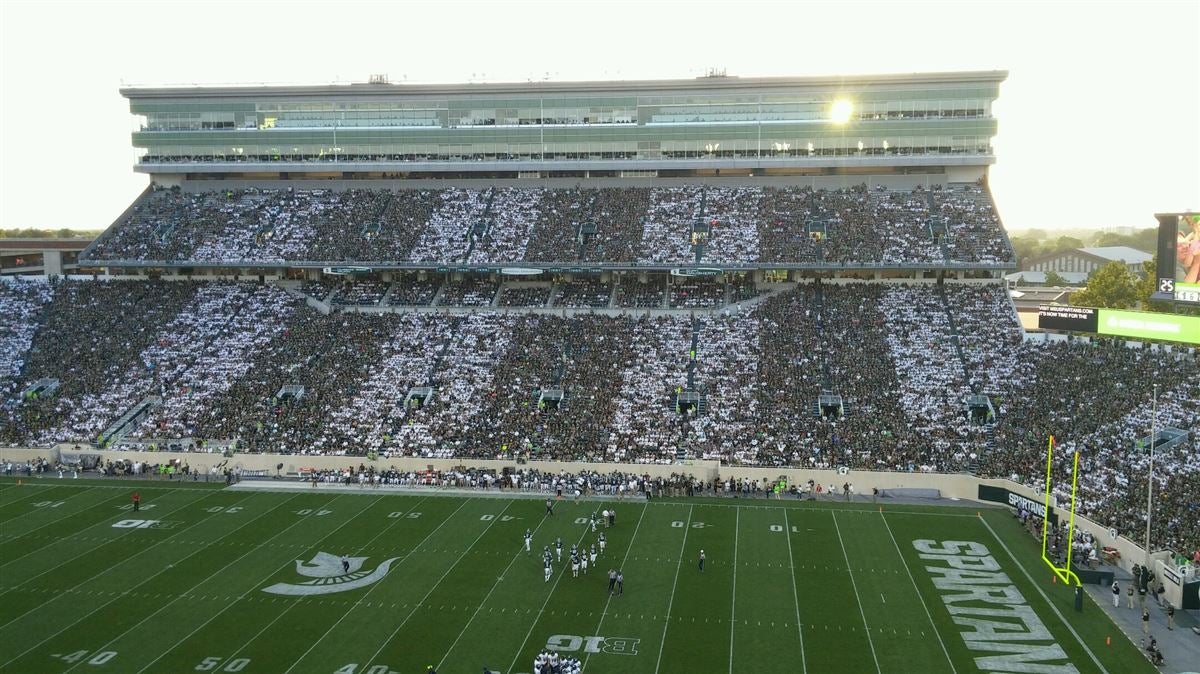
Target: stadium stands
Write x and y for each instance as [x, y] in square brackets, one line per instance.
[672, 226]
[247, 362]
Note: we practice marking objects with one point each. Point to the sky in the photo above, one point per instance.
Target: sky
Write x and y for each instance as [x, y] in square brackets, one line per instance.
[1099, 120]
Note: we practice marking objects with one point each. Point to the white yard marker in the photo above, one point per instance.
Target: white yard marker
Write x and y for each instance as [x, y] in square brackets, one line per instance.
[485, 599]
[857, 598]
[230, 601]
[918, 591]
[733, 601]
[462, 556]
[1044, 597]
[787, 530]
[193, 587]
[131, 587]
[376, 585]
[622, 566]
[513, 666]
[674, 584]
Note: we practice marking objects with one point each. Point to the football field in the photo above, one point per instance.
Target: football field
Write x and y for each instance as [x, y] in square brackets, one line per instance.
[211, 579]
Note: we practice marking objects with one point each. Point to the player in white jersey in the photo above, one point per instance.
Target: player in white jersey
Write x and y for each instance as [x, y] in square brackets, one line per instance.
[593, 522]
[602, 541]
[583, 563]
[592, 554]
[574, 566]
[548, 570]
[558, 548]
[528, 541]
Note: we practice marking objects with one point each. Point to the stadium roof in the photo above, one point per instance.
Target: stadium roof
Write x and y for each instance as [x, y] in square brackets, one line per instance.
[1119, 253]
[543, 87]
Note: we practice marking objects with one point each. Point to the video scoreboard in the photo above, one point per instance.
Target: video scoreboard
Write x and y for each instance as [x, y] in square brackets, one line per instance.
[1178, 257]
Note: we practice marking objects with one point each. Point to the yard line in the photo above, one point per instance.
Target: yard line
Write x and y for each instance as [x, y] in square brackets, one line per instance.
[918, 591]
[120, 536]
[32, 494]
[489, 594]
[367, 664]
[141, 580]
[795, 596]
[857, 598]
[674, 584]
[536, 618]
[376, 585]
[733, 600]
[1044, 597]
[628, 549]
[68, 514]
[202, 581]
[252, 587]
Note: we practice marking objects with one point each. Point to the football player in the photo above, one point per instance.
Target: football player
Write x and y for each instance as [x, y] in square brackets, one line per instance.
[574, 566]
[528, 541]
[558, 548]
[548, 570]
[602, 540]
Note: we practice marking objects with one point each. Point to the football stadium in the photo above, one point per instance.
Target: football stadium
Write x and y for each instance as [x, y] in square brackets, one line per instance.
[385, 378]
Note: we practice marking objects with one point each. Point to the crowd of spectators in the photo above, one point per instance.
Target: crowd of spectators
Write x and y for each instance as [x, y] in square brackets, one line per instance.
[413, 293]
[582, 293]
[641, 295]
[360, 293]
[524, 296]
[902, 359]
[470, 292]
[21, 306]
[667, 232]
[90, 336]
[733, 215]
[665, 225]
[697, 294]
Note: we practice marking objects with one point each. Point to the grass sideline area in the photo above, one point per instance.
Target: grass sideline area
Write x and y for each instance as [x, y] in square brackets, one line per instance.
[788, 586]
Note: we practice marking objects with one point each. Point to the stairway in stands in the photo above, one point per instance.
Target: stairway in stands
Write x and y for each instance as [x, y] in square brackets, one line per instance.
[954, 337]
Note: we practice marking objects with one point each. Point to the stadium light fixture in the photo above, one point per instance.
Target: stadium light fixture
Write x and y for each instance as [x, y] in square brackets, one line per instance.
[841, 111]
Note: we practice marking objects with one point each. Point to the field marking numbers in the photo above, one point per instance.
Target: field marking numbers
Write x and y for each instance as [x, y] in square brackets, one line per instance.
[850, 572]
[435, 586]
[733, 599]
[671, 601]
[131, 587]
[513, 666]
[489, 594]
[202, 581]
[175, 597]
[925, 606]
[124, 534]
[628, 549]
[317, 546]
[795, 595]
[1044, 597]
[363, 599]
[33, 494]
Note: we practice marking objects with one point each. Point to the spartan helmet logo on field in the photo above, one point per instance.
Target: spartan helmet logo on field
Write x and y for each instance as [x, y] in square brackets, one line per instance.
[326, 570]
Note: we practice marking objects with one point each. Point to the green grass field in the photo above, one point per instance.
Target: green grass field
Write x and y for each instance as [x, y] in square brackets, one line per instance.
[788, 586]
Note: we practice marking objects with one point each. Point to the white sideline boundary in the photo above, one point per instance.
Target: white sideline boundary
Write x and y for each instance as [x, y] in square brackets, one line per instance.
[1045, 598]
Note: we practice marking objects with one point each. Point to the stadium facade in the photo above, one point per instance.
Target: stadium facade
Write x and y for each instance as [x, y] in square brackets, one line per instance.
[936, 122]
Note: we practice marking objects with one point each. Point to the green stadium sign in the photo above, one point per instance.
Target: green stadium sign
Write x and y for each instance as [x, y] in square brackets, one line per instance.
[1146, 325]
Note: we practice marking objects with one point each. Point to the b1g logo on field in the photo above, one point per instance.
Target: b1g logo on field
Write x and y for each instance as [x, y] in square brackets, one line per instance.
[567, 643]
[329, 576]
